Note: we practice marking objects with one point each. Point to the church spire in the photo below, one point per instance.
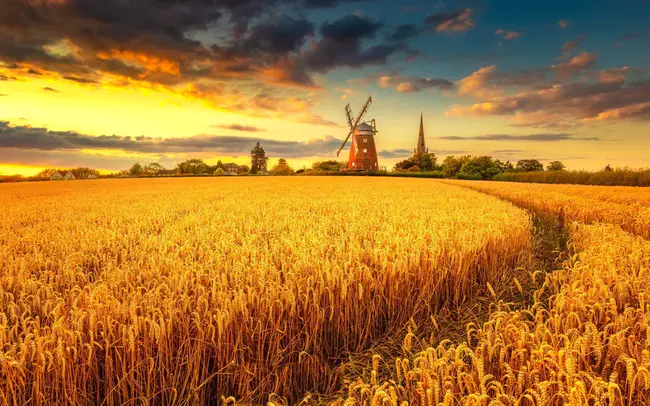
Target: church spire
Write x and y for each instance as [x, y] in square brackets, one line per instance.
[421, 149]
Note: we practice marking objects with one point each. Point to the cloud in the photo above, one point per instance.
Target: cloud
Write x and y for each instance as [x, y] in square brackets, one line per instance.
[6, 78]
[572, 103]
[615, 75]
[411, 84]
[575, 65]
[42, 139]
[508, 35]
[49, 89]
[544, 137]
[562, 104]
[571, 45]
[404, 32]
[4, 95]
[342, 45]
[487, 82]
[563, 23]
[239, 127]
[451, 22]
[169, 44]
[395, 153]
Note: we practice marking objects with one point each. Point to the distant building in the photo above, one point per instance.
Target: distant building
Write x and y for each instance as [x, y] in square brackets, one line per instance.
[69, 176]
[125, 175]
[91, 176]
[233, 169]
[421, 148]
[56, 176]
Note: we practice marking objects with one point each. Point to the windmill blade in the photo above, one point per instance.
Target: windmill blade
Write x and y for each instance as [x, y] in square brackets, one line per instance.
[348, 114]
[363, 111]
[345, 142]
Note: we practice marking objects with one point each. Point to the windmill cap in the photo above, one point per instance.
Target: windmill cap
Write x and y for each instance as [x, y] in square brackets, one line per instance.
[364, 127]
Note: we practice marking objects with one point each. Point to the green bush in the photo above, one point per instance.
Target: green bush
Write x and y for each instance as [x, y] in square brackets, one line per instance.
[469, 176]
[618, 177]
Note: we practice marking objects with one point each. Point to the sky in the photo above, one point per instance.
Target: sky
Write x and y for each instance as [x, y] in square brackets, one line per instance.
[105, 84]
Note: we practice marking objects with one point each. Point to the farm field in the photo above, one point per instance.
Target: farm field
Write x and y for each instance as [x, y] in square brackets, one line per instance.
[223, 290]
[344, 291]
[625, 206]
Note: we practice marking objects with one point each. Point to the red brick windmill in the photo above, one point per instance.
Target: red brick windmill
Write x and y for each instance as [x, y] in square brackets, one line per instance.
[363, 153]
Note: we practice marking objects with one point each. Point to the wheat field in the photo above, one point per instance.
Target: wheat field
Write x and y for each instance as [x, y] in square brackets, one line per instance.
[230, 290]
[583, 338]
[625, 206]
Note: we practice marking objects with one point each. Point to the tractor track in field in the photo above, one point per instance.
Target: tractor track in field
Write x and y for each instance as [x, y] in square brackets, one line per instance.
[548, 252]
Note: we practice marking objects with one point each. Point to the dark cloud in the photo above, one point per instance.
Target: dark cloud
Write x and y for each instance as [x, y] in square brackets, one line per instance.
[412, 84]
[404, 32]
[278, 35]
[508, 151]
[549, 137]
[156, 40]
[4, 95]
[49, 89]
[41, 139]
[80, 80]
[349, 28]
[342, 45]
[451, 22]
[239, 127]
[395, 153]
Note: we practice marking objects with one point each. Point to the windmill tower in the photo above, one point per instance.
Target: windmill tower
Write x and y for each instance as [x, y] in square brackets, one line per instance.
[363, 152]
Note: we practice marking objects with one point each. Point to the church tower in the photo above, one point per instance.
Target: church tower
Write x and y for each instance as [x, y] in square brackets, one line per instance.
[421, 148]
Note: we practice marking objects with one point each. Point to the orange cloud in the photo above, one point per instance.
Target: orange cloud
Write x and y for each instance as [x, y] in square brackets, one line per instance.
[151, 63]
[575, 65]
[477, 84]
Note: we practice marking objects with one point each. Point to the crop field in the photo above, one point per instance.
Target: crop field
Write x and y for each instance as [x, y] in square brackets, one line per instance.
[625, 206]
[345, 291]
[182, 291]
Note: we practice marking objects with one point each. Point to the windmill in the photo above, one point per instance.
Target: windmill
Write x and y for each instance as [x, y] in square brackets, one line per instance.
[363, 153]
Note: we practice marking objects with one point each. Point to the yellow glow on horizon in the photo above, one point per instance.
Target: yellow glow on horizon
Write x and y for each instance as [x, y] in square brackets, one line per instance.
[15, 169]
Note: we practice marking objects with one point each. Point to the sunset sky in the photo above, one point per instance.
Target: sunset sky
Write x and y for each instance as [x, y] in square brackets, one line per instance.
[105, 84]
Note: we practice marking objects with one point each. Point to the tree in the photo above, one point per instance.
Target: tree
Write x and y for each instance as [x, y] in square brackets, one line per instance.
[608, 169]
[245, 169]
[79, 173]
[329, 166]
[46, 173]
[530, 165]
[154, 168]
[193, 166]
[405, 165]
[282, 168]
[258, 159]
[555, 166]
[426, 162]
[480, 165]
[506, 166]
[452, 165]
[219, 165]
[136, 169]
[219, 172]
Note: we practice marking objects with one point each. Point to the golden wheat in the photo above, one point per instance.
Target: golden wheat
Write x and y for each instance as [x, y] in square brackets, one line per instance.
[584, 341]
[190, 291]
[628, 207]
